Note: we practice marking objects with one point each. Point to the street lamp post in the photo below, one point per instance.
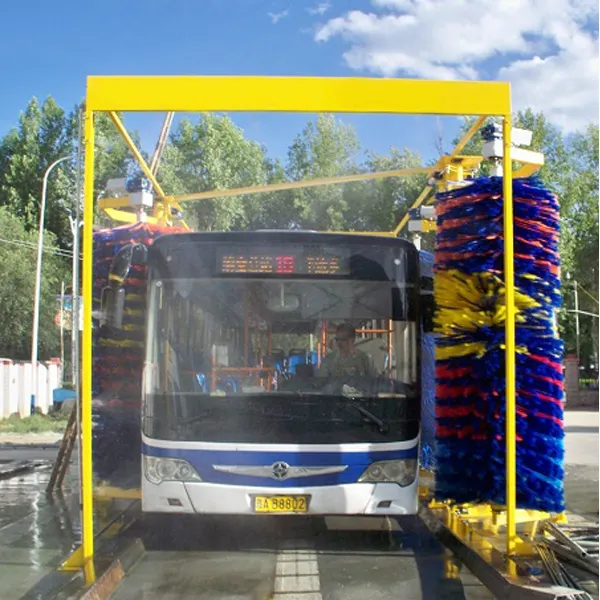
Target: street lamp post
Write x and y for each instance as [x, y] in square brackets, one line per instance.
[38, 282]
[577, 331]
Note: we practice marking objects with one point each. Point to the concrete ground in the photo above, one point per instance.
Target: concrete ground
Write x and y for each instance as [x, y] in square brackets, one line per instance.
[581, 463]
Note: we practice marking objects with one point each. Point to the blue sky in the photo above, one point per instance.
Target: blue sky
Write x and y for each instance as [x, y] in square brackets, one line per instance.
[49, 49]
[549, 52]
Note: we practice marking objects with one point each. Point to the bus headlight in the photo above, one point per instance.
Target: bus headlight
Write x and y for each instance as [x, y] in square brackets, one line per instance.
[158, 470]
[403, 472]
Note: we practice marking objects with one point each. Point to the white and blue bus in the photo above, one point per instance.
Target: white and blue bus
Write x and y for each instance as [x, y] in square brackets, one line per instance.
[251, 404]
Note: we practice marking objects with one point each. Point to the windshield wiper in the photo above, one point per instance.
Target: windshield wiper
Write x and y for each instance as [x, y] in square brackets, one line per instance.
[367, 414]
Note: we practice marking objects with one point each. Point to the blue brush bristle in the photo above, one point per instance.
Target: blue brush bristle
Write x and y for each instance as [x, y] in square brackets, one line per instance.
[470, 384]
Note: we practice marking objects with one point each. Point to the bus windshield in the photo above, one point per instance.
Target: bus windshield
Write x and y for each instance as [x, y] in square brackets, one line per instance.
[281, 360]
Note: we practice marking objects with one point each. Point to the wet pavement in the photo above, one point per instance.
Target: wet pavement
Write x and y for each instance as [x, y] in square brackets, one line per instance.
[36, 446]
[36, 532]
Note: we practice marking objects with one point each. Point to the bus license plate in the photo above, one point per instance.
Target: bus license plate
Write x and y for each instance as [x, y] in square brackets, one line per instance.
[279, 504]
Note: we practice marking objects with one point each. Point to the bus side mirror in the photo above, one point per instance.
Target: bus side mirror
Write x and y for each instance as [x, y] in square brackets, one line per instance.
[113, 296]
[427, 311]
[113, 306]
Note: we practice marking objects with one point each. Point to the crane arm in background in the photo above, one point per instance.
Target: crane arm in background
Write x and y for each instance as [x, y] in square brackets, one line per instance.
[161, 144]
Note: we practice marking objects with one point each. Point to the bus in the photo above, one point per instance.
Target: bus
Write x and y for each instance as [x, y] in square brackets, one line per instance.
[282, 374]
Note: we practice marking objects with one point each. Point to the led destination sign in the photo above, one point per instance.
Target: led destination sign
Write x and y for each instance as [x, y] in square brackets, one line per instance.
[287, 262]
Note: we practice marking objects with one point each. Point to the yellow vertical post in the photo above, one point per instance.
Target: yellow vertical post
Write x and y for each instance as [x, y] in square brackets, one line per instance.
[86, 362]
[509, 278]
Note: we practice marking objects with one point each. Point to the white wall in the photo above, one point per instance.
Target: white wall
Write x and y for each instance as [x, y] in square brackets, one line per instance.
[17, 386]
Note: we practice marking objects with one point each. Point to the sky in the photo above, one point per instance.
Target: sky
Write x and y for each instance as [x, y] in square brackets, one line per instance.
[547, 49]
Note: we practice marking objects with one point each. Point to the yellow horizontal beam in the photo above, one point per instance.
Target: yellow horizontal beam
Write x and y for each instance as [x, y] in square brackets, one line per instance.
[117, 493]
[297, 94]
[120, 202]
[122, 216]
[526, 170]
[305, 183]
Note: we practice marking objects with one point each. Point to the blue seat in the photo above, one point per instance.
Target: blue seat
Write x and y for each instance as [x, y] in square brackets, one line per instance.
[293, 361]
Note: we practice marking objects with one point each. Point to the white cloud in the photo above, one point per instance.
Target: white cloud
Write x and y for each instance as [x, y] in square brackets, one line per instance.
[276, 17]
[542, 46]
[319, 9]
[564, 86]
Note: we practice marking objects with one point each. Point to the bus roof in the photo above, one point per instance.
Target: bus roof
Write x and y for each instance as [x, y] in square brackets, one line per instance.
[171, 241]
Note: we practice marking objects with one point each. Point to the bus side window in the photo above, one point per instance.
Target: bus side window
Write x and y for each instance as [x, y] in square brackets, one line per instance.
[427, 310]
[427, 304]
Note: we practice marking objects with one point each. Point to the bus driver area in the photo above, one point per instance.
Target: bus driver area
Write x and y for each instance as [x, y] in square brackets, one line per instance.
[243, 394]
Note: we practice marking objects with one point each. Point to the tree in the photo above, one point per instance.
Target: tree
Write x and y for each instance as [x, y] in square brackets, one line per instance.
[325, 148]
[579, 238]
[44, 135]
[40, 139]
[213, 154]
[379, 204]
[17, 284]
[271, 210]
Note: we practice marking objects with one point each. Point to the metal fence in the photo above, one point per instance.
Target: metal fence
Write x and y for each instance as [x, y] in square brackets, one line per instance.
[17, 387]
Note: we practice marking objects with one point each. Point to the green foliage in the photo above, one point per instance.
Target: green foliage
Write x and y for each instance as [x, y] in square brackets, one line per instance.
[379, 204]
[325, 148]
[580, 244]
[213, 154]
[55, 423]
[46, 133]
[26, 152]
[17, 285]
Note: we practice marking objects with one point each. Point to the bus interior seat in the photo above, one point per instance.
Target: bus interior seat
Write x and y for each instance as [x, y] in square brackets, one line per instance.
[294, 361]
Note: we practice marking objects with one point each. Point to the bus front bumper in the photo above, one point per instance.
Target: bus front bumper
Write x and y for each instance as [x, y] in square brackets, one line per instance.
[347, 499]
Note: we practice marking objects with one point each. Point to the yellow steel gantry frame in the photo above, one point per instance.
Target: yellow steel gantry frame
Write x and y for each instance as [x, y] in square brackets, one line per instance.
[289, 94]
[451, 168]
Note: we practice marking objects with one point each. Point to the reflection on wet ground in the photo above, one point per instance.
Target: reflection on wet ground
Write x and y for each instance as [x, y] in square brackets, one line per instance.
[36, 532]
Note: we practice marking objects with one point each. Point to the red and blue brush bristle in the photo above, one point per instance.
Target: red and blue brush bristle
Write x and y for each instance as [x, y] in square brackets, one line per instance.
[470, 367]
[118, 360]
